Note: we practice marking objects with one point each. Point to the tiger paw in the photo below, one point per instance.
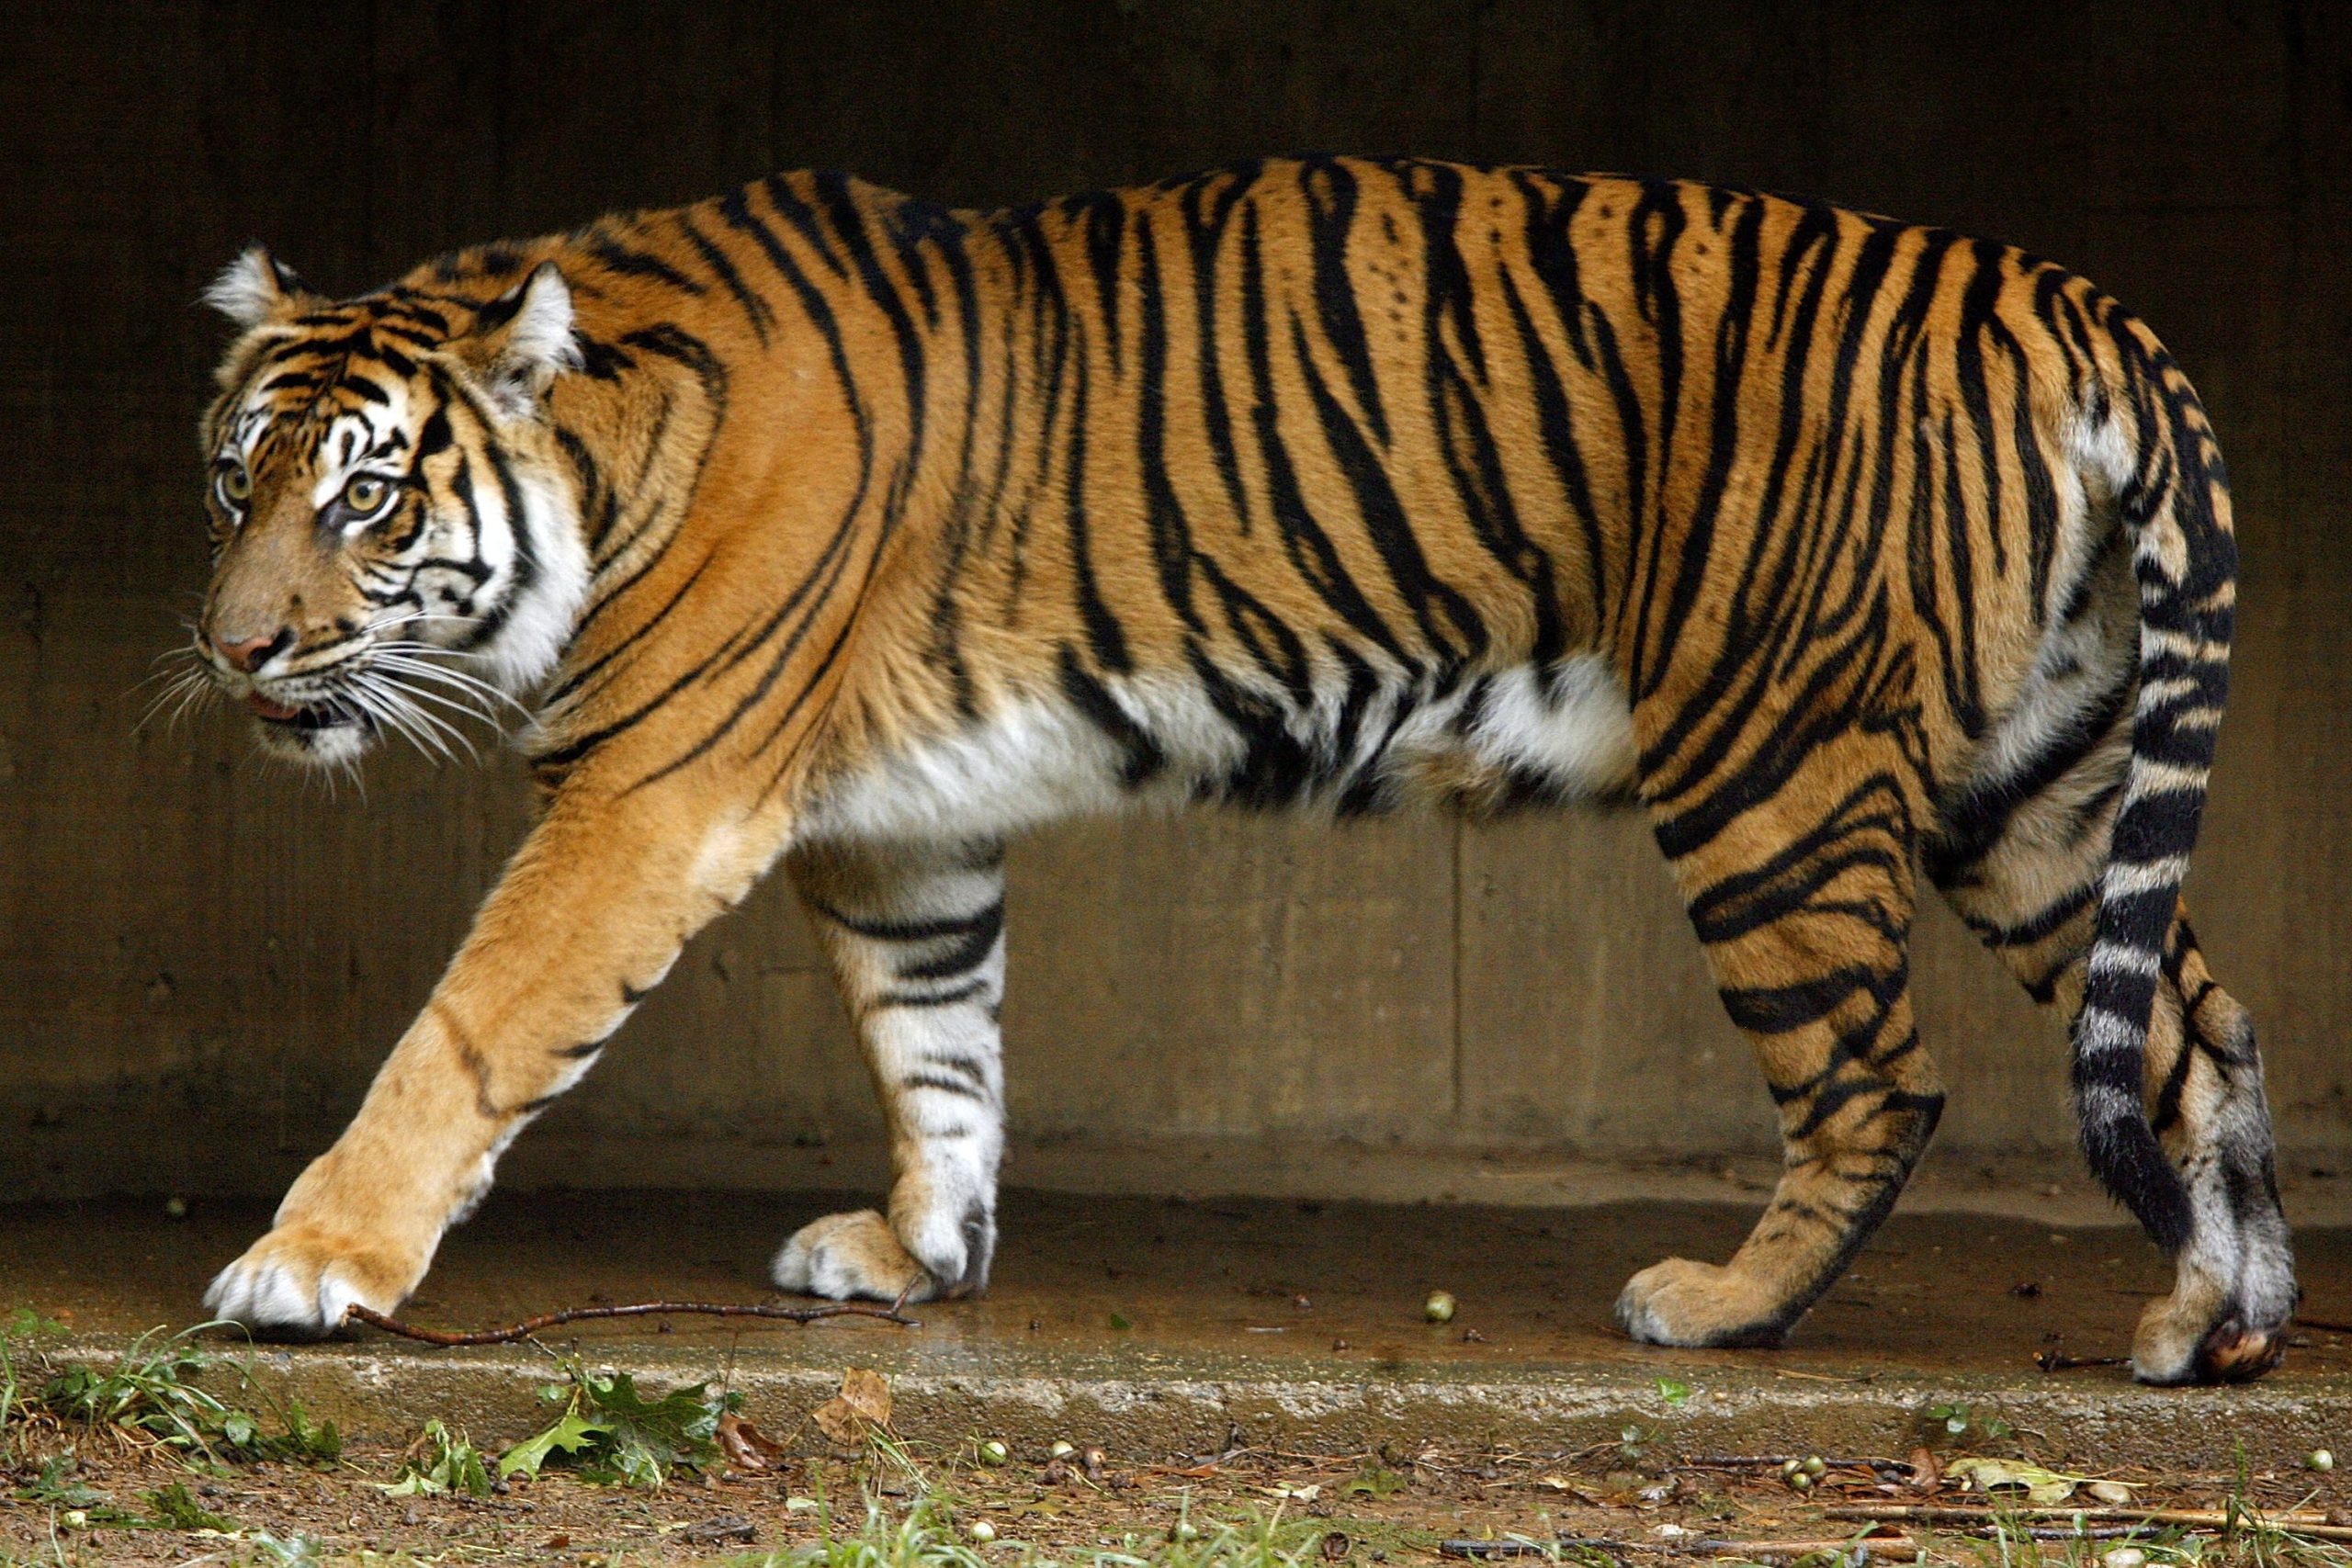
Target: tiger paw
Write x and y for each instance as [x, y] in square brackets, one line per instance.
[845, 1257]
[1699, 1305]
[298, 1281]
[2194, 1341]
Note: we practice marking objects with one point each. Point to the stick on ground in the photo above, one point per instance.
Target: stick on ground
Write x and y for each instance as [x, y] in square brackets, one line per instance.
[2301, 1522]
[894, 1312]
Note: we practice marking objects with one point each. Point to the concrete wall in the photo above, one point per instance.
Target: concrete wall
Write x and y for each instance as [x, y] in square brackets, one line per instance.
[201, 960]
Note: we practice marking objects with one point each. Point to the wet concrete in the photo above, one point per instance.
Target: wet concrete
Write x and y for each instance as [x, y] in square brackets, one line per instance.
[1160, 1326]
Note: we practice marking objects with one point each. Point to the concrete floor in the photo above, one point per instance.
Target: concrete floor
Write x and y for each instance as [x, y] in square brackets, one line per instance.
[1299, 1322]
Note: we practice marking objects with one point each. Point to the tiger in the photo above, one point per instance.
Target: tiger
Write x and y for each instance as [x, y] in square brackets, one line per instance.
[819, 523]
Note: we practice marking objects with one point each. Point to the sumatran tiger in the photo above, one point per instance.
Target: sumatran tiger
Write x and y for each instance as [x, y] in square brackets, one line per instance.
[819, 523]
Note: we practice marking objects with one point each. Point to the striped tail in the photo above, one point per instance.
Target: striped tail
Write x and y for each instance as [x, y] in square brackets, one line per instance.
[2173, 495]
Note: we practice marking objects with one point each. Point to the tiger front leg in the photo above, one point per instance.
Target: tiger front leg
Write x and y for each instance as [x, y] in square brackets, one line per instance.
[1804, 905]
[587, 917]
[916, 936]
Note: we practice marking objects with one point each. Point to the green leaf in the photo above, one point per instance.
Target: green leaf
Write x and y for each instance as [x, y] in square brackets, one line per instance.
[1119, 1322]
[570, 1436]
[176, 1508]
[447, 1463]
[614, 1434]
[1673, 1393]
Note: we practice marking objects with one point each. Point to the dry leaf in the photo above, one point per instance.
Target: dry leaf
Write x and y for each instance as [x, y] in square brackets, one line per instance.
[745, 1446]
[1926, 1473]
[863, 1403]
[2046, 1488]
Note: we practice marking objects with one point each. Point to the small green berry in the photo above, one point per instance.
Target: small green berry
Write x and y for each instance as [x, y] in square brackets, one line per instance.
[981, 1531]
[76, 1519]
[2319, 1458]
[994, 1452]
[1062, 1450]
[1439, 1308]
[1815, 1466]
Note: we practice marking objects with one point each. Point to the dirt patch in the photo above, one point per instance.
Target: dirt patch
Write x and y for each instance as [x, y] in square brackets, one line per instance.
[99, 1495]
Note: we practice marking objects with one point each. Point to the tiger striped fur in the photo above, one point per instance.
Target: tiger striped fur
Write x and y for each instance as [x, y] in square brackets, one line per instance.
[819, 523]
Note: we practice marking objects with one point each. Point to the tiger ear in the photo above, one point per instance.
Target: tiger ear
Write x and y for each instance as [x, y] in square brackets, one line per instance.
[522, 340]
[259, 288]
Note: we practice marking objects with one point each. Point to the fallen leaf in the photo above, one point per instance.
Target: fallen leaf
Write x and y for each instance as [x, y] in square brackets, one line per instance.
[726, 1526]
[863, 1403]
[2044, 1487]
[746, 1447]
[838, 1422]
[1926, 1473]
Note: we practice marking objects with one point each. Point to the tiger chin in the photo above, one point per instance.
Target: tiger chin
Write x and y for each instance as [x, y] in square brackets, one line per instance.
[819, 525]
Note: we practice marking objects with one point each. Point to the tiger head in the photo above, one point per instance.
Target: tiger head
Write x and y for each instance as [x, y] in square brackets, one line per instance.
[393, 533]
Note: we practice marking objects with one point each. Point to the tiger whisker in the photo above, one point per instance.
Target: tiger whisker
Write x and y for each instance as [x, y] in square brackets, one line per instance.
[398, 716]
[454, 704]
[187, 688]
[415, 719]
[426, 669]
[393, 716]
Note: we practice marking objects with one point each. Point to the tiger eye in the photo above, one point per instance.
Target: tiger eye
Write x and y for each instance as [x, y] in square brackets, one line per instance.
[236, 482]
[364, 494]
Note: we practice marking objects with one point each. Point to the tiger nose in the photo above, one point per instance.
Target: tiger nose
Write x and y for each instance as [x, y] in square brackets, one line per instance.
[250, 654]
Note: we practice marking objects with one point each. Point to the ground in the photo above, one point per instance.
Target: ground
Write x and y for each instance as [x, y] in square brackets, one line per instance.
[1259, 1365]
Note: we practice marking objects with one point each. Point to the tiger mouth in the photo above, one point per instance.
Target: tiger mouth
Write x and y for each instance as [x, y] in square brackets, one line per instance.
[309, 718]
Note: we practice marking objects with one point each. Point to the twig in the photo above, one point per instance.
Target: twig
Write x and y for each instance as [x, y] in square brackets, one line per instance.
[2325, 1326]
[1890, 1548]
[1880, 1547]
[1774, 1461]
[530, 1326]
[2059, 1361]
[1849, 1548]
[1544, 1549]
[2302, 1522]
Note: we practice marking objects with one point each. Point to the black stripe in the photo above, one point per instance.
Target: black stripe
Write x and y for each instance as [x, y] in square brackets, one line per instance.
[755, 309]
[634, 262]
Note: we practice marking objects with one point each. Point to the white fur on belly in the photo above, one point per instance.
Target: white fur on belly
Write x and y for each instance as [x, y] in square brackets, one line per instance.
[1037, 759]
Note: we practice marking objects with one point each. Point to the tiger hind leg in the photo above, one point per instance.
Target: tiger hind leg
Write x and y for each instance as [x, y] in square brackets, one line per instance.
[2030, 892]
[1803, 902]
[916, 936]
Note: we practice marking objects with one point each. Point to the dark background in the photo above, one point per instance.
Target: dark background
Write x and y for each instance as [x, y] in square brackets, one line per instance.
[201, 960]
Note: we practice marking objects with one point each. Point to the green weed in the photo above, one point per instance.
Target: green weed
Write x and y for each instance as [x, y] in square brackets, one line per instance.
[438, 1462]
[610, 1433]
[176, 1508]
[152, 1391]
